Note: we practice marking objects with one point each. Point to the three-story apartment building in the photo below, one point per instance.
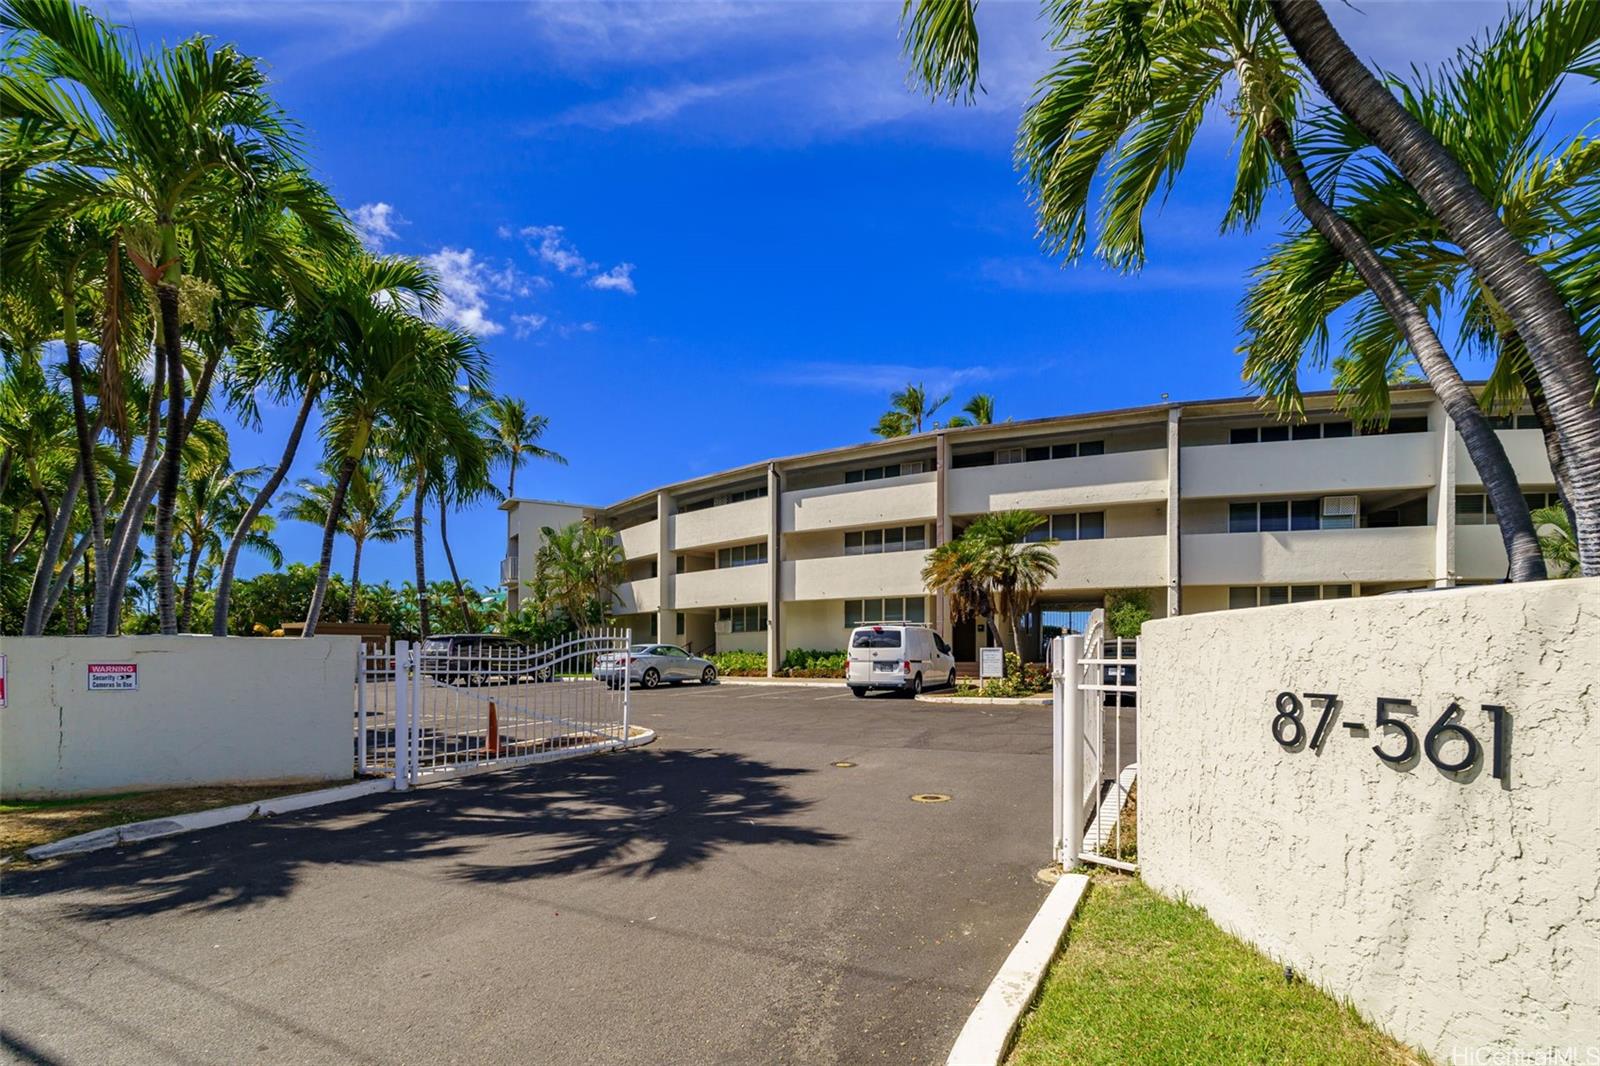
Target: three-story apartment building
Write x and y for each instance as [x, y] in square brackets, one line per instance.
[1205, 506]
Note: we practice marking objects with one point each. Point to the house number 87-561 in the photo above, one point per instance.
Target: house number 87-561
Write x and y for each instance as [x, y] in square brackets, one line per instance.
[1289, 730]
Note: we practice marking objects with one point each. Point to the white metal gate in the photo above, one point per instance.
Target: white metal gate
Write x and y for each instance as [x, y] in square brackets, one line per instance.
[424, 714]
[1096, 747]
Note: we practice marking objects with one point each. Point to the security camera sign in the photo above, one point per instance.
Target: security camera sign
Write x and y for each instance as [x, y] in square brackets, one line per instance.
[113, 677]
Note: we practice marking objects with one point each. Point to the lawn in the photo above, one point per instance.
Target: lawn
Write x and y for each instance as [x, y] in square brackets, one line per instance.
[25, 824]
[1143, 979]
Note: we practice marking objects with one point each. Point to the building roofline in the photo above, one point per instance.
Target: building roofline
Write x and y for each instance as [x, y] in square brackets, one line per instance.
[959, 433]
[507, 504]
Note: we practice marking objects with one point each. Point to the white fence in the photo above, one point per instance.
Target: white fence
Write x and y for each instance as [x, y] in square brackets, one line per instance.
[1096, 745]
[425, 711]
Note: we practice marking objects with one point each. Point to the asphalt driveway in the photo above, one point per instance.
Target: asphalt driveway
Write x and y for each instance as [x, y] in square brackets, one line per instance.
[723, 895]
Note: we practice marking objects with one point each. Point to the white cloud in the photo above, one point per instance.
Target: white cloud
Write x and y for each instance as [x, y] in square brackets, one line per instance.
[463, 284]
[618, 279]
[527, 325]
[375, 224]
[883, 378]
[552, 248]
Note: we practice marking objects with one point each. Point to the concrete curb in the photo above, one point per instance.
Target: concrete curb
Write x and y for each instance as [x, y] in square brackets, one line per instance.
[799, 682]
[986, 1037]
[1006, 701]
[155, 828]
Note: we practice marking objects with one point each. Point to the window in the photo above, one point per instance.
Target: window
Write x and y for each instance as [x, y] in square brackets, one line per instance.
[680, 564]
[1303, 431]
[1009, 455]
[870, 638]
[1272, 595]
[653, 569]
[893, 539]
[725, 498]
[878, 473]
[751, 619]
[970, 459]
[742, 555]
[1274, 434]
[1080, 525]
[1474, 509]
[1537, 500]
[1416, 424]
[679, 629]
[892, 609]
[1276, 516]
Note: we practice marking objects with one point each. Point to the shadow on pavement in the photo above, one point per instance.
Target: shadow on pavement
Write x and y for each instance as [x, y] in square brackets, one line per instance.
[634, 814]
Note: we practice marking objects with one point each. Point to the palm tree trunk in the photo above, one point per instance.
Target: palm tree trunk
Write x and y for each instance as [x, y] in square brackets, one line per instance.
[34, 617]
[57, 588]
[355, 583]
[1482, 443]
[80, 420]
[131, 520]
[188, 587]
[511, 485]
[1552, 440]
[219, 617]
[347, 470]
[416, 551]
[1503, 265]
[171, 458]
[455, 576]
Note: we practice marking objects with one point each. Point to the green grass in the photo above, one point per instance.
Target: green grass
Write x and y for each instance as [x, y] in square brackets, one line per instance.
[1143, 979]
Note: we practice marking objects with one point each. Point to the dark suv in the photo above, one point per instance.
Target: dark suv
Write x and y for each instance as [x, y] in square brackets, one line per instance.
[475, 658]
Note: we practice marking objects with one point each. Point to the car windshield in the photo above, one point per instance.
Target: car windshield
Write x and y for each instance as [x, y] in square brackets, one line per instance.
[875, 638]
[641, 649]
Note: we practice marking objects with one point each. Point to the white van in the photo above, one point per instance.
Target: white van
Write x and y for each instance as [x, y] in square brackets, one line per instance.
[898, 655]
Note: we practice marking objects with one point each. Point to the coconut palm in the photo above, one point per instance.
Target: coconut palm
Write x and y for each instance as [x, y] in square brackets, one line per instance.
[514, 436]
[369, 513]
[578, 569]
[176, 144]
[978, 411]
[210, 500]
[1516, 281]
[910, 409]
[1126, 97]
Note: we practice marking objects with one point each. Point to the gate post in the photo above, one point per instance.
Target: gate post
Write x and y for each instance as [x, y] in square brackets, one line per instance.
[402, 715]
[1067, 748]
[627, 673]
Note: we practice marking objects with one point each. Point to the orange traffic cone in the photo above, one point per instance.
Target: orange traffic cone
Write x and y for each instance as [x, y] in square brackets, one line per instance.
[494, 730]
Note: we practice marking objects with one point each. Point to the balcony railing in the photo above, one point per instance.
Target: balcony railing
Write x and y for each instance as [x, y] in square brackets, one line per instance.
[1304, 467]
[508, 570]
[720, 588]
[902, 500]
[1308, 556]
[1055, 484]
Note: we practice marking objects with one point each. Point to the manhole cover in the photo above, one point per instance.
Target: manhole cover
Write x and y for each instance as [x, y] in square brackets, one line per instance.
[844, 765]
[930, 797]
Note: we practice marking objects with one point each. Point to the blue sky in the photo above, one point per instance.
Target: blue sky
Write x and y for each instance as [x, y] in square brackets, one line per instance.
[705, 234]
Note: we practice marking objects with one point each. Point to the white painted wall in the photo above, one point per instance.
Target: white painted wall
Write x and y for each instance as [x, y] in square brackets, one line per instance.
[208, 711]
[1454, 912]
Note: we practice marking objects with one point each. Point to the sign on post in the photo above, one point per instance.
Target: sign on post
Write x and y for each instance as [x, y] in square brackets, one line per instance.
[991, 663]
[113, 677]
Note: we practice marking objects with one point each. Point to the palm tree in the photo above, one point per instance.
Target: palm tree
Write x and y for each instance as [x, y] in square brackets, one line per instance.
[515, 435]
[370, 513]
[995, 569]
[1555, 537]
[909, 409]
[1126, 97]
[298, 357]
[171, 143]
[957, 569]
[578, 569]
[1519, 286]
[979, 411]
[210, 500]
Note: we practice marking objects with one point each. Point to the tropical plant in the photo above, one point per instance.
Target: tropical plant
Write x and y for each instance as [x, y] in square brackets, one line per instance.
[514, 437]
[1127, 610]
[211, 497]
[978, 411]
[577, 569]
[1132, 86]
[995, 568]
[1556, 540]
[910, 409]
[1520, 287]
[370, 514]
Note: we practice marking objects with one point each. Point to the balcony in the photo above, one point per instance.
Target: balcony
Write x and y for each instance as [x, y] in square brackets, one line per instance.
[1525, 449]
[720, 588]
[729, 524]
[641, 541]
[1311, 467]
[639, 597]
[1056, 484]
[911, 498]
[1308, 556]
[844, 577]
[1114, 562]
[509, 570]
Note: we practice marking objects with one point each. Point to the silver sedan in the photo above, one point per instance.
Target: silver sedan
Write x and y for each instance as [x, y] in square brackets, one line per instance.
[651, 665]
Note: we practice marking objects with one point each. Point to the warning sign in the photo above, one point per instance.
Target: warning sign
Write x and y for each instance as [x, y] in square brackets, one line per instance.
[113, 677]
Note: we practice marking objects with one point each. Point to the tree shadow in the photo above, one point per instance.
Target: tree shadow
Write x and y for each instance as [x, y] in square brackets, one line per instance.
[630, 814]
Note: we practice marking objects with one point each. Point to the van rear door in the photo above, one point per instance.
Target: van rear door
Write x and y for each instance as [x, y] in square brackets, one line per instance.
[876, 653]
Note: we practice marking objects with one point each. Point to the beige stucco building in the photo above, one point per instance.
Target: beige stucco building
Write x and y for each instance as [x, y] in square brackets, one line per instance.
[1204, 505]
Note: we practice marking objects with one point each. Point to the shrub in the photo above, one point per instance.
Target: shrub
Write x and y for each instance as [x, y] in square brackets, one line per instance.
[1127, 610]
[1021, 679]
[807, 662]
[740, 663]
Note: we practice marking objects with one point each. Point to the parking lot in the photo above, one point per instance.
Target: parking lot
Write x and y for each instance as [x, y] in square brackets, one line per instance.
[726, 894]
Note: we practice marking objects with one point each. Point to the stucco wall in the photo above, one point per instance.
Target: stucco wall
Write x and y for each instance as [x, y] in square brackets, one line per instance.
[1456, 911]
[207, 710]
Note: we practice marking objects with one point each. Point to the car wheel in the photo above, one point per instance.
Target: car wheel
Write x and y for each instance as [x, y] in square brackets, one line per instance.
[548, 673]
[916, 687]
[950, 682]
[708, 676]
[651, 678]
[858, 692]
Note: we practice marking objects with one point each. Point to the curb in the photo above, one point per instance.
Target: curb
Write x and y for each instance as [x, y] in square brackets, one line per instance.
[155, 828]
[1005, 701]
[986, 1037]
[799, 682]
